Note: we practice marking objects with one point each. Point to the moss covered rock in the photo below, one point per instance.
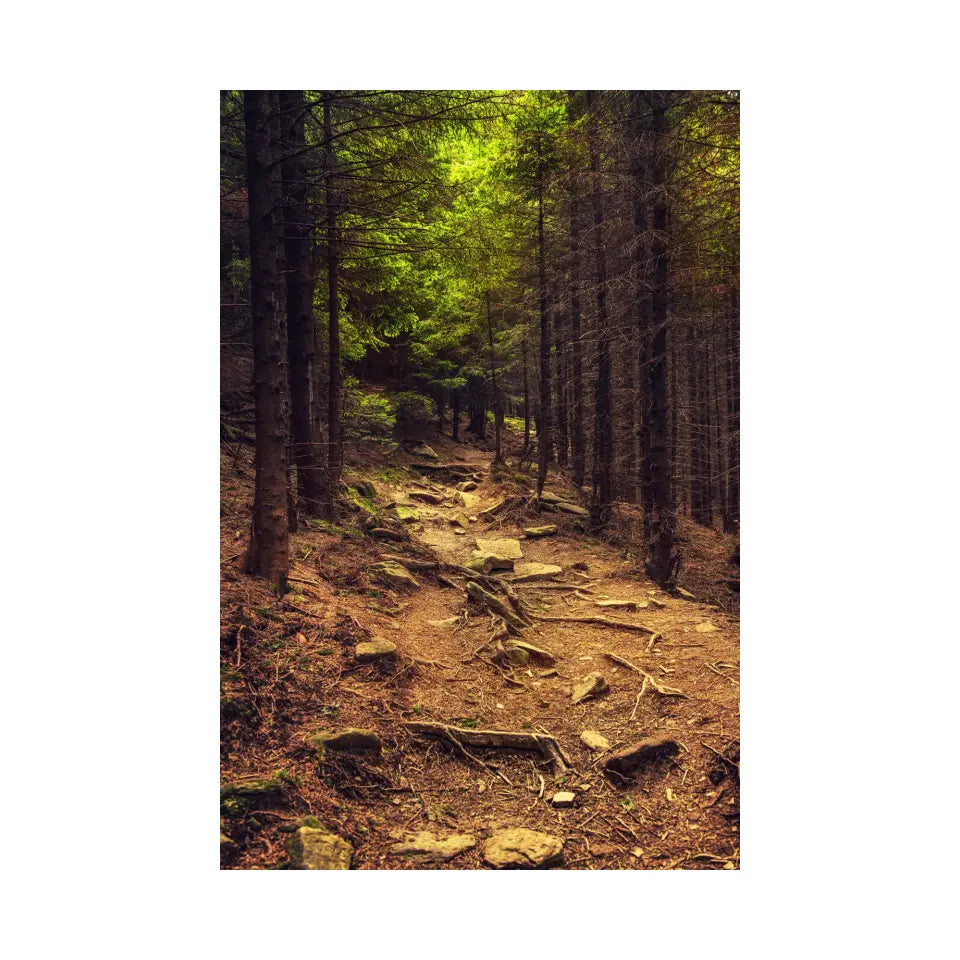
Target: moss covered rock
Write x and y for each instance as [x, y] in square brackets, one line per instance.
[313, 848]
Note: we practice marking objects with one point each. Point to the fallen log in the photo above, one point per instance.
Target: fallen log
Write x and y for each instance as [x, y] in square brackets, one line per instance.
[542, 743]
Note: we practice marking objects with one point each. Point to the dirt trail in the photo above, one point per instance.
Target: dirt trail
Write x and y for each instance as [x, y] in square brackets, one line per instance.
[682, 812]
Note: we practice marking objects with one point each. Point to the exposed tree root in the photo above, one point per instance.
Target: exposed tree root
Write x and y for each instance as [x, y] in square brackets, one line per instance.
[542, 743]
[600, 622]
[648, 681]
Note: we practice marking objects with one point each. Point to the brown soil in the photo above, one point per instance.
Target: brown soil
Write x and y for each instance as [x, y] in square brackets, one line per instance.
[287, 671]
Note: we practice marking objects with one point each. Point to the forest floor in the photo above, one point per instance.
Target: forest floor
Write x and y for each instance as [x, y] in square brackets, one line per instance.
[288, 671]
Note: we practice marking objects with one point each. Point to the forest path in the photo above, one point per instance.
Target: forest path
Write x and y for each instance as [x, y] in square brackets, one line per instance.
[673, 814]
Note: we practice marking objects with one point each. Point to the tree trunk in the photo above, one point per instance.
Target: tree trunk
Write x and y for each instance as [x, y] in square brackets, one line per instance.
[455, 416]
[335, 374]
[661, 562]
[497, 399]
[300, 323]
[601, 497]
[526, 395]
[268, 555]
[543, 425]
[732, 518]
[578, 451]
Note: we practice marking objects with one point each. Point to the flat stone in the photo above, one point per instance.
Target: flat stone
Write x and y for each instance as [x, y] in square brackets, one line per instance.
[407, 514]
[449, 622]
[523, 848]
[548, 496]
[347, 740]
[638, 754]
[484, 562]
[378, 648]
[467, 485]
[394, 574]
[424, 496]
[622, 604]
[656, 603]
[592, 685]
[311, 848]
[528, 572]
[545, 531]
[705, 627]
[507, 548]
[594, 740]
[426, 848]
[572, 508]
[424, 450]
[467, 500]
[563, 799]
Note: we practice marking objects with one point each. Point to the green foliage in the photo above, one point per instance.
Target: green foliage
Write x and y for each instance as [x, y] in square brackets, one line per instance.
[410, 407]
[367, 414]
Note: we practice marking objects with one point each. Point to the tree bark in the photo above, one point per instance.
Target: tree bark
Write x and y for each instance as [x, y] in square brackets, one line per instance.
[300, 322]
[601, 497]
[661, 561]
[335, 374]
[543, 425]
[268, 555]
[578, 447]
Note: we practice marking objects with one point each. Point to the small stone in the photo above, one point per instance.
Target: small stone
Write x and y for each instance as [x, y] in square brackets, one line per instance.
[705, 627]
[407, 514]
[425, 451]
[449, 622]
[467, 500]
[507, 548]
[457, 532]
[686, 594]
[656, 603]
[621, 604]
[563, 799]
[493, 509]
[426, 848]
[393, 574]
[312, 848]
[548, 496]
[538, 653]
[378, 648]
[523, 848]
[425, 496]
[572, 508]
[592, 685]
[529, 572]
[348, 740]
[487, 562]
[594, 740]
[458, 520]
[467, 485]
[642, 752]
[544, 531]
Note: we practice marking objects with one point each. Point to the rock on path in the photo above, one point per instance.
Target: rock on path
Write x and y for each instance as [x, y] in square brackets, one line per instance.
[523, 848]
[312, 848]
[426, 848]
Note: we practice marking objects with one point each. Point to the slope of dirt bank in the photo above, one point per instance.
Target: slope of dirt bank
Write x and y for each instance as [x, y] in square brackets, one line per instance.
[288, 671]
